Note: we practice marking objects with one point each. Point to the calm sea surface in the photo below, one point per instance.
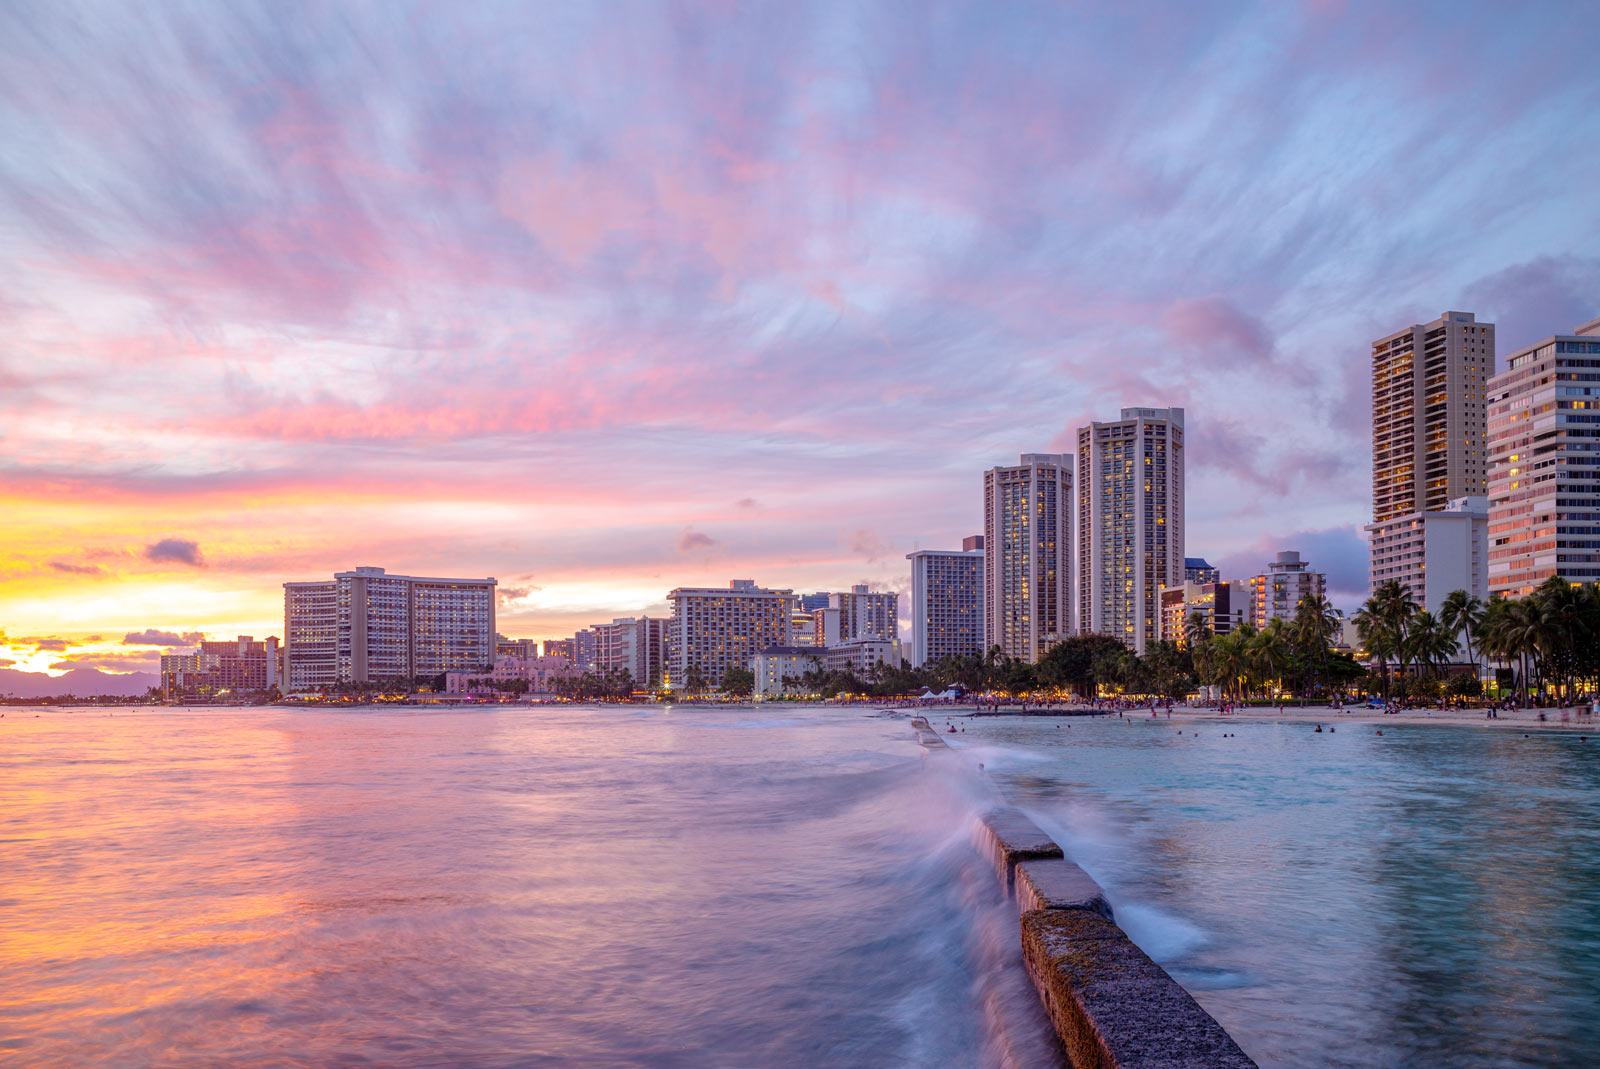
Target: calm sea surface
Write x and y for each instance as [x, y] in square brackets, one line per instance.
[795, 887]
[603, 886]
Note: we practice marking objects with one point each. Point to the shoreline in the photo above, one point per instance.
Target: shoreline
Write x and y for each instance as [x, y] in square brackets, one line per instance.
[1518, 719]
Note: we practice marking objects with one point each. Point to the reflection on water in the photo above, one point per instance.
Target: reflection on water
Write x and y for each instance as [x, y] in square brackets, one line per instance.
[696, 887]
[1430, 897]
[496, 887]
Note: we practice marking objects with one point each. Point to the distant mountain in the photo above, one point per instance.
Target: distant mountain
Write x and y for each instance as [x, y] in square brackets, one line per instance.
[82, 682]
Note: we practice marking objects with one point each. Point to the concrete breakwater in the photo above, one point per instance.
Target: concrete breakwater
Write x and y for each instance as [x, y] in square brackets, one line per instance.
[1110, 1003]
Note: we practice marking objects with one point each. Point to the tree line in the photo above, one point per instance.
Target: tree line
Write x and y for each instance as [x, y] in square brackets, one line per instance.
[1548, 641]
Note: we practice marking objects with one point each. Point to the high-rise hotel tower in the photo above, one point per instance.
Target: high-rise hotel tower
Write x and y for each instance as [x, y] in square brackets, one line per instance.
[947, 602]
[1130, 522]
[1430, 456]
[368, 625]
[1027, 554]
[1544, 464]
[1428, 385]
[713, 629]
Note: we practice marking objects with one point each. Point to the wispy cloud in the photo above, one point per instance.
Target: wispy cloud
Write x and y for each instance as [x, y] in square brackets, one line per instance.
[501, 290]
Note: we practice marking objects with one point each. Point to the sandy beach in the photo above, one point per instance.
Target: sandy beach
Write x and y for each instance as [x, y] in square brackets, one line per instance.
[1517, 719]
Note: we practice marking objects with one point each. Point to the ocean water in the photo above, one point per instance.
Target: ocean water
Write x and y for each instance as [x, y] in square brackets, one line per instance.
[487, 887]
[1428, 897]
[695, 887]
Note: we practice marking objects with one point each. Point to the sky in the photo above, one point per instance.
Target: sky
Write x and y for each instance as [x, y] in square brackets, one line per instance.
[604, 299]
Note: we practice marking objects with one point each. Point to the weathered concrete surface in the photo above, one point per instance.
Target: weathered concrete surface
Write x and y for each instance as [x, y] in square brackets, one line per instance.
[1057, 883]
[1113, 1007]
[1009, 838]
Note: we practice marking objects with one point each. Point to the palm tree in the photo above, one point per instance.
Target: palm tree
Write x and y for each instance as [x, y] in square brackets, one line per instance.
[1377, 637]
[1268, 650]
[1399, 609]
[1462, 613]
[694, 680]
[1315, 623]
[1429, 641]
[1516, 635]
[1562, 626]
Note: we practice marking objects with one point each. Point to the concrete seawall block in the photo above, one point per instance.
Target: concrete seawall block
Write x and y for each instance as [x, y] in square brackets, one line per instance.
[1056, 883]
[1009, 838]
[927, 736]
[1112, 1006]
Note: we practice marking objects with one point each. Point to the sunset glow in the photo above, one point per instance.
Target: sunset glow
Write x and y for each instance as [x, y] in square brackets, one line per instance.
[758, 291]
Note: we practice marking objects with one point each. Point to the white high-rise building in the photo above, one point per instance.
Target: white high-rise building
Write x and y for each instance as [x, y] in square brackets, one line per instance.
[713, 629]
[1434, 553]
[946, 604]
[367, 625]
[1027, 554]
[1130, 522]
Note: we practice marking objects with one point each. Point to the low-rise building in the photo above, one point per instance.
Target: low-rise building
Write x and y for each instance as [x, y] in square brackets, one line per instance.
[240, 666]
[776, 667]
[1224, 605]
[861, 655]
[1434, 553]
[1279, 590]
[515, 647]
[541, 675]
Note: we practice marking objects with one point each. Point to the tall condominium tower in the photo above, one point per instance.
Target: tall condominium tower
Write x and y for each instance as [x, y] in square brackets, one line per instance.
[367, 625]
[1428, 409]
[1130, 522]
[1429, 450]
[1544, 464]
[714, 629]
[946, 604]
[1027, 554]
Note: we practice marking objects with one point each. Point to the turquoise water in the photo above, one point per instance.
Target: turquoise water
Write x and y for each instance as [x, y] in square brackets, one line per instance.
[1430, 897]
